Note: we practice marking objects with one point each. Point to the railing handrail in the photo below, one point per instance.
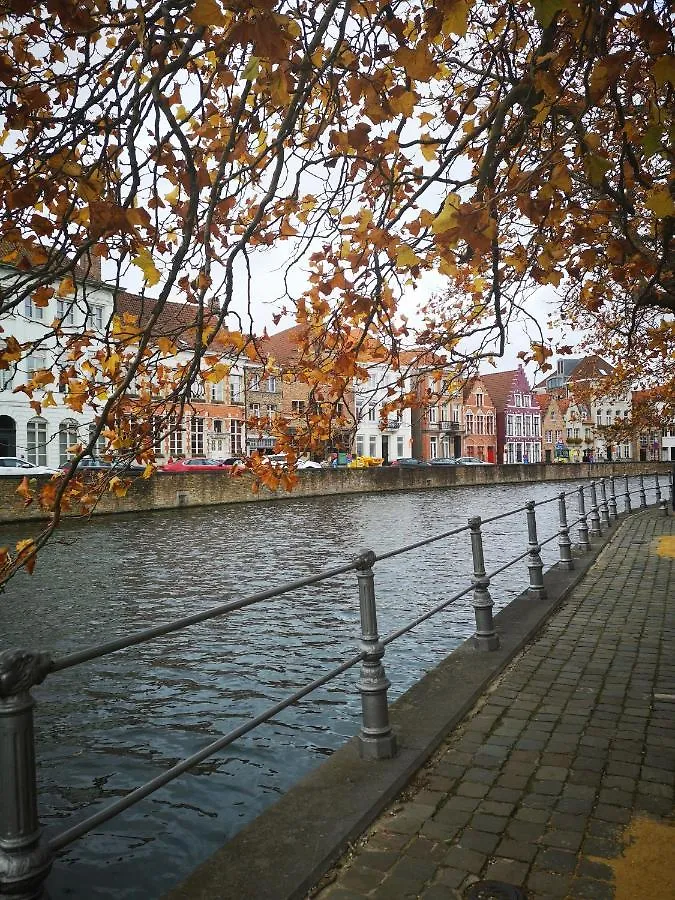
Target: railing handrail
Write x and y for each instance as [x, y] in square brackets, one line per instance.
[20, 670]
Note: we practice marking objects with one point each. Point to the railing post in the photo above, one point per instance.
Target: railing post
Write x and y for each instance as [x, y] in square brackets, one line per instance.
[613, 511]
[564, 542]
[534, 563]
[25, 860]
[584, 543]
[643, 496]
[486, 637]
[626, 496]
[594, 515]
[376, 739]
[604, 509]
[657, 488]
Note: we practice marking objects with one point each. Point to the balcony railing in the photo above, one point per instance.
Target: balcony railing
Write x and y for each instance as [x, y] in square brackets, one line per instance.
[26, 858]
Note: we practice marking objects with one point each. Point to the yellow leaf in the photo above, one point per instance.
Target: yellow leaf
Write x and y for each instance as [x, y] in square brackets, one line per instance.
[217, 373]
[596, 167]
[660, 202]
[252, 69]
[172, 196]
[406, 257]
[404, 103]
[446, 219]
[111, 364]
[118, 487]
[428, 149]
[207, 12]
[664, 70]
[147, 266]
[456, 19]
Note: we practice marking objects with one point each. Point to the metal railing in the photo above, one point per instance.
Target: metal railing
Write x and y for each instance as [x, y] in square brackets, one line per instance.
[26, 857]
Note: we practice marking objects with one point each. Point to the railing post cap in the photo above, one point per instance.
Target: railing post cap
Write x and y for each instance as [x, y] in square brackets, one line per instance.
[20, 670]
[365, 560]
[475, 522]
[530, 505]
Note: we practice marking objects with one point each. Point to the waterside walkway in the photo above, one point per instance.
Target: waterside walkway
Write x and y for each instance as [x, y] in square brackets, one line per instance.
[560, 781]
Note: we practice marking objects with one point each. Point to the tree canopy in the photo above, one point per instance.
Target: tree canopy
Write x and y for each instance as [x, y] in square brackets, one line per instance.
[507, 148]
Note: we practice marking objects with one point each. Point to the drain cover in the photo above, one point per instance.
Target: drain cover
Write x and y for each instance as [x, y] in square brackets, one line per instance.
[494, 890]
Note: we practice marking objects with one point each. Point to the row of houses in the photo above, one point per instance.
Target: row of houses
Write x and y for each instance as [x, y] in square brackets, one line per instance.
[497, 417]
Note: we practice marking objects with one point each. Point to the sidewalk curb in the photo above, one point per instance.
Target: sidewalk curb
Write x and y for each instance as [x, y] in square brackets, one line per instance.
[285, 851]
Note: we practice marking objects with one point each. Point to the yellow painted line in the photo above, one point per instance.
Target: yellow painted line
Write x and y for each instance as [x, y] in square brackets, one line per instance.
[646, 868]
[666, 546]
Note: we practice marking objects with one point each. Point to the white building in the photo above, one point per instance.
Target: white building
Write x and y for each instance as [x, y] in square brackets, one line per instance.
[388, 437]
[43, 437]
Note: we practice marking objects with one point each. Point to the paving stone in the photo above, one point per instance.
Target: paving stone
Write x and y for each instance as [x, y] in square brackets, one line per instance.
[565, 840]
[596, 870]
[492, 824]
[467, 860]
[359, 878]
[449, 877]
[410, 868]
[589, 889]
[547, 884]
[472, 789]
[553, 860]
[509, 870]
[483, 841]
[510, 849]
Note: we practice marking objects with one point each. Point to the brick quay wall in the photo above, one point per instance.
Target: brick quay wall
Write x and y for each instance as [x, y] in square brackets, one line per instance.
[170, 491]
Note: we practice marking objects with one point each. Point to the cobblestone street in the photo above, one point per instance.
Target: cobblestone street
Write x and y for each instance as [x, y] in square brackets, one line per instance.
[572, 747]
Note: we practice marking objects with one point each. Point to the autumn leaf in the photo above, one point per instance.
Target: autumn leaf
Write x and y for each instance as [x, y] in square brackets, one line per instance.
[447, 217]
[145, 263]
[661, 203]
[206, 13]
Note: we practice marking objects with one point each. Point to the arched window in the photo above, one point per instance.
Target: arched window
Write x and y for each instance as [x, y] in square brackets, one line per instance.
[36, 441]
[68, 437]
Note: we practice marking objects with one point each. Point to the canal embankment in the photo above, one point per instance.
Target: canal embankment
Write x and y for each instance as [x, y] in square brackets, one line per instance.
[541, 751]
[173, 491]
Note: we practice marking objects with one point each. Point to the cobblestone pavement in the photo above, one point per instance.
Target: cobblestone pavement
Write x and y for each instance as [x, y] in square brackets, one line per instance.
[572, 743]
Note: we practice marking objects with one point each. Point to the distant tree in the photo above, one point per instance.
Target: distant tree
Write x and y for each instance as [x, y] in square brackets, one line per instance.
[503, 146]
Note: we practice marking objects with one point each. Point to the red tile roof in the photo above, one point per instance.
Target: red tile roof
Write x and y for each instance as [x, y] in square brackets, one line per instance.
[499, 385]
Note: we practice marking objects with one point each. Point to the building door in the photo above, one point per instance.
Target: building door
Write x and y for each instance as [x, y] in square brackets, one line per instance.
[548, 456]
[458, 446]
[491, 454]
[7, 436]
[385, 449]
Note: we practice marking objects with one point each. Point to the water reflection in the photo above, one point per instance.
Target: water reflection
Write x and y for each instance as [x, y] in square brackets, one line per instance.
[112, 724]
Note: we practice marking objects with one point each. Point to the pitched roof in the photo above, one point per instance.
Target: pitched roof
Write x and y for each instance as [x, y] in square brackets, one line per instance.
[591, 367]
[499, 385]
[544, 401]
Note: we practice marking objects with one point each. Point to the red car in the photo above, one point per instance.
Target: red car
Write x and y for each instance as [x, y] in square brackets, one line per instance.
[199, 464]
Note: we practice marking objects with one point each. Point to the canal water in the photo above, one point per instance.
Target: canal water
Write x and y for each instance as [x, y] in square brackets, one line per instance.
[109, 725]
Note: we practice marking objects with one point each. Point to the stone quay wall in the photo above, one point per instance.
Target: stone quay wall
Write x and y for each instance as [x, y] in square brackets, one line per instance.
[170, 491]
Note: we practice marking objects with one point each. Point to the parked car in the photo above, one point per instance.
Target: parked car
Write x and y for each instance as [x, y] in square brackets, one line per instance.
[408, 462]
[94, 464]
[472, 461]
[198, 464]
[13, 465]
[443, 461]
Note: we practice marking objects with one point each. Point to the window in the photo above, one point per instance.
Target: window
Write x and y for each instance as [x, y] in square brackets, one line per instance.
[34, 362]
[271, 384]
[372, 445]
[527, 421]
[535, 426]
[489, 425]
[197, 436]
[433, 448]
[479, 399]
[218, 426]
[518, 399]
[67, 438]
[548, 437]
[625, 451]
[569, 433]
[339, 408]
[399, 447]
[235, 389]
[372, 414]
[31, 311]
[359, 445]
[64, 311]
[270, 412]
[255, 410]
[236, 436]
[519, 426]
[433, 415]
[6, 378]
[598, 417]
[587, 434]
[297, 407]
[509, 425]
[455, 414]
[175, 437]
[254, 383]
[36, 441]
[218, 392]
[96, 316]
[608, 417]
[358, 408]
[480, 424]
[577, 433]
[468, 420]
[559, 434]
[157, 438]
